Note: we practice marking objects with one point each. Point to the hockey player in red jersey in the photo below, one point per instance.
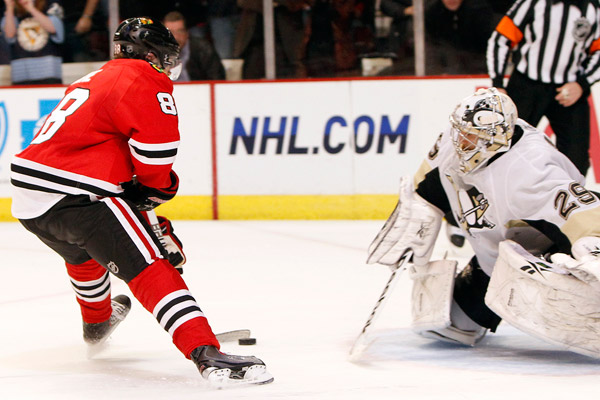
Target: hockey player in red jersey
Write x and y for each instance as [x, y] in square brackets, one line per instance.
[103, 156]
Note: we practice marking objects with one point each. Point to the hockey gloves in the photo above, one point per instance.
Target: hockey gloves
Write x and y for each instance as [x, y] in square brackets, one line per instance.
[172, 244]
[585, 263]
[146, 198]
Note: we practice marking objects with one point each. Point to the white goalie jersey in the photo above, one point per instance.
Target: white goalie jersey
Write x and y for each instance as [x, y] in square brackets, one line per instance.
[532, 184]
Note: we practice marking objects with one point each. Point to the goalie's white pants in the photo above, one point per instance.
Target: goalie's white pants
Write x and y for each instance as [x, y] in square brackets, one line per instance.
[535, 297]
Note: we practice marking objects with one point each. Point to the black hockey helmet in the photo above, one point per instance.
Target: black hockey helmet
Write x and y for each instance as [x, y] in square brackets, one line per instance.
[136, 37]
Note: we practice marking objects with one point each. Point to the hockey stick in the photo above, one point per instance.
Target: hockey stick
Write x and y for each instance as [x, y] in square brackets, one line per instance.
[155, 225]
[362, 341]
[157, 229]
[233, 336]
[229, 336]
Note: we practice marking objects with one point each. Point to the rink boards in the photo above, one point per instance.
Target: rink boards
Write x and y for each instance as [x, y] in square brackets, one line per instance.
[318, 149]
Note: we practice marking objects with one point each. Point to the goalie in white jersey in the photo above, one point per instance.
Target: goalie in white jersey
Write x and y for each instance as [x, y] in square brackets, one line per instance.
[517, 199]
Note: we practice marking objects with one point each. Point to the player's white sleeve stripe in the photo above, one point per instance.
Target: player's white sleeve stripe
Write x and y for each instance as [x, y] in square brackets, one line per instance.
[154, 146]
[139, 243]
[165, 300]
[64, 174]
[153, 161]
[180, 321]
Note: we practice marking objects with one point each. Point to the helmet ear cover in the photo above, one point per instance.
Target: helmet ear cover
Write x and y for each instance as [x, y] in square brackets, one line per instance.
[482, 126]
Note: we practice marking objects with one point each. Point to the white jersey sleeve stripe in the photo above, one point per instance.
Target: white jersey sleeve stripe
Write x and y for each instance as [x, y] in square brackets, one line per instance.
[154, 146]
[152, 161]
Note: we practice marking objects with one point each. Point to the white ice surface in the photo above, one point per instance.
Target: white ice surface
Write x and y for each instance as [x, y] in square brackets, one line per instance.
[303, 289]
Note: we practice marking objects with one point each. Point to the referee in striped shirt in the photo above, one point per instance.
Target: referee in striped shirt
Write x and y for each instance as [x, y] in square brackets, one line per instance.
[554, 46]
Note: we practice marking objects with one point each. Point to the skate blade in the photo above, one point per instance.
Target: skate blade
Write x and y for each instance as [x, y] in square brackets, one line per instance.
[255, 375]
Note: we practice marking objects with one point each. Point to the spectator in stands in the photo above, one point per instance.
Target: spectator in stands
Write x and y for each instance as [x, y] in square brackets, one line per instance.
[198, 56]
[339, 33]
[354, 33]
[86, 33]
[457, 34]
[135, 8]
[400, 40]
[4, 51]
[193, 10]
[223, 17]
[320, 47]
[34, 30]
[289, 38]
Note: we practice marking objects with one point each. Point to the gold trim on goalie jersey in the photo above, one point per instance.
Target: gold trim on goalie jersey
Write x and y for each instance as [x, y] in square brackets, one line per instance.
[582, 223]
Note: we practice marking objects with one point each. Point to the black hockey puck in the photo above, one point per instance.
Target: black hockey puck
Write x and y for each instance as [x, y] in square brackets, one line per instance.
[247, 341]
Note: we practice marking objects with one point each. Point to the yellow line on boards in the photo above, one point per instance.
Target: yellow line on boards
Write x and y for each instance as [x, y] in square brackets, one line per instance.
[359, 206]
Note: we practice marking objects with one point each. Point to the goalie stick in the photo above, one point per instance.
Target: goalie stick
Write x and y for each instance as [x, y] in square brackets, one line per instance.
[363, 341]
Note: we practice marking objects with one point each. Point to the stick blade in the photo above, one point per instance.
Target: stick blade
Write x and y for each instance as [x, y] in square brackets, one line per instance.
[233, 336]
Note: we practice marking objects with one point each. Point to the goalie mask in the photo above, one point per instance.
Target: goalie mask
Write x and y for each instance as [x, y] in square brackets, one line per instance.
[137, 37]
[482, 126]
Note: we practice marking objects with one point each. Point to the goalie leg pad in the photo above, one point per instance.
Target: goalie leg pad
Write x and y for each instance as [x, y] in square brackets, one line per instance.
[536, 298]
[435, 314]
[432, 294]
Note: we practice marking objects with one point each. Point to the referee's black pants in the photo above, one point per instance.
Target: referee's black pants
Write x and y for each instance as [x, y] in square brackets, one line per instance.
[571, 125]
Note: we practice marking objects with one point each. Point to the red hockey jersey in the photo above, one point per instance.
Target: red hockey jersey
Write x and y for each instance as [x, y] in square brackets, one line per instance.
[115, 123]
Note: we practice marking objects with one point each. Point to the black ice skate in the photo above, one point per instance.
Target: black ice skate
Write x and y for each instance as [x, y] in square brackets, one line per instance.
[95, 334]
[222, 369]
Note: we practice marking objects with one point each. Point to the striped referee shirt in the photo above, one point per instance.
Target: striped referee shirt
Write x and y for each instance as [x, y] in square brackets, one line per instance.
[552, 41]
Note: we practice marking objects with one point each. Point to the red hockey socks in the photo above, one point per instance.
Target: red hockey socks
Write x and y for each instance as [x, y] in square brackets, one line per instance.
[162, 291]
[91, 284]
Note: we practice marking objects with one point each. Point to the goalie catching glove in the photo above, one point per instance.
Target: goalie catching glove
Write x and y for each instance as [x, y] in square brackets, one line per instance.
[414, 224]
